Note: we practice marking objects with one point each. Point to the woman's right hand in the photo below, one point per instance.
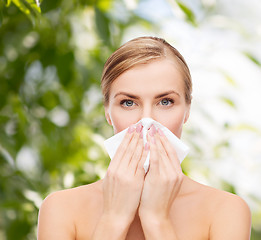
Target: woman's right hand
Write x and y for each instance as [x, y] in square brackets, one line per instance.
[123, 183]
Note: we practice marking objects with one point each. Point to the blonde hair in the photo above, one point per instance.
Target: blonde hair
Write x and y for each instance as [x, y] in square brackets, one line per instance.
[140, 51]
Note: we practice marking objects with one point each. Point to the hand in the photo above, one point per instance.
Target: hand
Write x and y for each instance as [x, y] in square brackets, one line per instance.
[123, 182]
[163, 180]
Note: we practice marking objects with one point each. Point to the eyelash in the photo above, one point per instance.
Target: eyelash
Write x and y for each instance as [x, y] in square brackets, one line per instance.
[122, 102]
[168, 99]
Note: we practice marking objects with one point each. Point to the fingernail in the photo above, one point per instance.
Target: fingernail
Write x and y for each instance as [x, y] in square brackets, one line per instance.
[147, 146]
[131, 129]
[138, 128]
[152, 130]
[160, 132]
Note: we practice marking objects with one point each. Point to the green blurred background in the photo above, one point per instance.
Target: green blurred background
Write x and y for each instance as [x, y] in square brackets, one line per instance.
[52, 123]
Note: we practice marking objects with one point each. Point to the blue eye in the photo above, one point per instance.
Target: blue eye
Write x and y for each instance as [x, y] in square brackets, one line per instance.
[127, 103]
[166, 102]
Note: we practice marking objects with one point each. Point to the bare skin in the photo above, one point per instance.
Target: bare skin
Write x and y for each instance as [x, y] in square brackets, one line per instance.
[164, 203]
[199, 212]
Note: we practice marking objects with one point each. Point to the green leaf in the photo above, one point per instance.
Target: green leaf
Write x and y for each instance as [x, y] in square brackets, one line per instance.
[229, 79]
[21, 6]
[8, 3]
[27, 6]
[7, 156]
[247, 127]
[228, 101]
[252, 58]
[30, 9]
[33, 5]
[104, 5]
[190, 17]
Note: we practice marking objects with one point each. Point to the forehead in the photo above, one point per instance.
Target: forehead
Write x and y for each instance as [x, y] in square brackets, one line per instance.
[155, 76]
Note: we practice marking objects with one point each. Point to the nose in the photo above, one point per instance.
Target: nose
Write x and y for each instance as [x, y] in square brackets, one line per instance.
[147, 112]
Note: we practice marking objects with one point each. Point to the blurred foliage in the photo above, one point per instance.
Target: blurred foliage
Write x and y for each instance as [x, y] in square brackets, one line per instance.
[52, 123]
[29, 7]
[190, 17]
[51, 111]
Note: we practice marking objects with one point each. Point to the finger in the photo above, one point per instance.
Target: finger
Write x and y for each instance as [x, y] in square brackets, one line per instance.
[154, 157]
[131, 149]
[122, 148]
[140, 169]
[137, 155]
[169, 149]
[165, 163]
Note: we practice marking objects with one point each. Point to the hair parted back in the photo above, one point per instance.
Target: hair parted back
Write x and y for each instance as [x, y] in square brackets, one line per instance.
[142, 50]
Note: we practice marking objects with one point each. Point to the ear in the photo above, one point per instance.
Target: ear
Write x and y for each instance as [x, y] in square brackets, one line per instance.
[107, 116]
[187, 114]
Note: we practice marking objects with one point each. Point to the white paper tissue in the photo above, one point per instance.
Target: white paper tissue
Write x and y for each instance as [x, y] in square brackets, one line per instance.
[112, 143]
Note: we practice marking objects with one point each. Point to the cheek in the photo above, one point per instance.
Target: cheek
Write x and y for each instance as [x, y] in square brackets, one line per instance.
[121, 121]
[174, 123]
[174, 126]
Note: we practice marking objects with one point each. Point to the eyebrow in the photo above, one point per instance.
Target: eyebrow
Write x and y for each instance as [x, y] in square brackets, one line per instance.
[157, 96]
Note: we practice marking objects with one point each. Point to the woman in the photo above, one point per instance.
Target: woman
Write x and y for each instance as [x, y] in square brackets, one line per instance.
[146, 77]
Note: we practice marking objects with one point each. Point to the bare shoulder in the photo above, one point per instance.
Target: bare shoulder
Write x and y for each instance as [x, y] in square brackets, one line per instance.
[229, 214]
[70, 199]
[60, 210]
[224, 202]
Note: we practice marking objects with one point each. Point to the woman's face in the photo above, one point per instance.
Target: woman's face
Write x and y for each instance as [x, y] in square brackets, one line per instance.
[154, 90]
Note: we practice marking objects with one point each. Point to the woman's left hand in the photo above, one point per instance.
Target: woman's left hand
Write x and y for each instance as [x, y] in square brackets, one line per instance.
[163, 180]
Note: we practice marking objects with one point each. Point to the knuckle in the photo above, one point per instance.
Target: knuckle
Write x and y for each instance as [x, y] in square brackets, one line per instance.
[177, 178]
[170, 179]
[117, 176]
[109, 172]
[180, 177]
[112, 174]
